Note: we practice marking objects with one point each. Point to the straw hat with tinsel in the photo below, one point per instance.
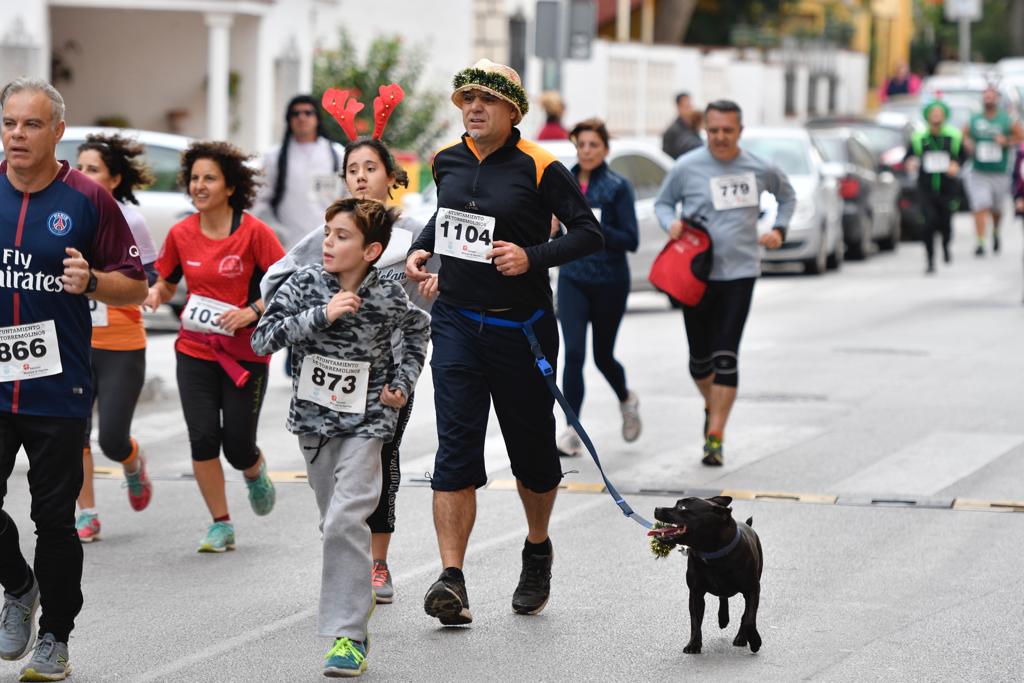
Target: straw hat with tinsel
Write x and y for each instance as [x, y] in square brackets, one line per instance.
[496, 79]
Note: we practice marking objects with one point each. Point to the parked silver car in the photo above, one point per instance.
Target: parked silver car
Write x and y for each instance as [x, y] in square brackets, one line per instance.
[640, 161]
[815, 236]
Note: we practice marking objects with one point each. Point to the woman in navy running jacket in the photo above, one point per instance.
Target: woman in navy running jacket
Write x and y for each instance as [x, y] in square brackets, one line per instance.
[593, 290]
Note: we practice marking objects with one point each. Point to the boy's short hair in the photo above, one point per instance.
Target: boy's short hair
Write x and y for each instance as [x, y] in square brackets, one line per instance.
[372, 218]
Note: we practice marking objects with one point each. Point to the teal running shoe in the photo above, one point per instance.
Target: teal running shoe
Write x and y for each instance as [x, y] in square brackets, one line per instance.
[346, 659]
[219, 537]
[49, 661]
[261, 492]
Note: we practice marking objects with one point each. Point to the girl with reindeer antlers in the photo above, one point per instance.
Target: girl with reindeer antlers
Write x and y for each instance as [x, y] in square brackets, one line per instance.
[370, 173]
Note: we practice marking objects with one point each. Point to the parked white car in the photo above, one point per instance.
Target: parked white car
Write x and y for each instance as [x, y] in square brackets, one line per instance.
[639, 160]
[815, 235]
[163, 203]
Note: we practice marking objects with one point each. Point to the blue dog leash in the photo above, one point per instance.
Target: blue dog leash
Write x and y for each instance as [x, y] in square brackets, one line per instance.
[548, 373]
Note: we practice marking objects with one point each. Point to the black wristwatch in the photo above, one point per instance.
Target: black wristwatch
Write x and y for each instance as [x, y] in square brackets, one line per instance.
[93, 282]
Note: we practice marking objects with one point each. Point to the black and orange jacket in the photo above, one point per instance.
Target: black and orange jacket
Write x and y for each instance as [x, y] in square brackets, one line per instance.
[520, 185]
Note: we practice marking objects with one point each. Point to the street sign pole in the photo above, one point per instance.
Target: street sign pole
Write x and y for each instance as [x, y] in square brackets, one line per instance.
[965, 40]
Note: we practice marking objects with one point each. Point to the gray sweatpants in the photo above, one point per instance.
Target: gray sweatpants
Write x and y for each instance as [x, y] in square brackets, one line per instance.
[344, 474]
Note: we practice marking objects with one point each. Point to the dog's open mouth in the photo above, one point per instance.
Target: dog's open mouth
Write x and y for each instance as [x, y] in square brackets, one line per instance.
[664, 531]
[665, 537]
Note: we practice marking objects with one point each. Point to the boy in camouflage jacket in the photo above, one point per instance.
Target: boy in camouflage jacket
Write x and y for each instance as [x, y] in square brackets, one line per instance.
[338, 318]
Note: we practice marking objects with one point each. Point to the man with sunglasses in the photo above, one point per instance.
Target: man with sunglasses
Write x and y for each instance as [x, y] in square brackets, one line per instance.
[496, 193]
[301, 175]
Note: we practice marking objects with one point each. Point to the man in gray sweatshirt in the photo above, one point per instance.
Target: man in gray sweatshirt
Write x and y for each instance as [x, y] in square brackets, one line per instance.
[720, 187]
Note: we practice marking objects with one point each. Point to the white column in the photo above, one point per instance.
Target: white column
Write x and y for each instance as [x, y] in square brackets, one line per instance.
[218, 67]
[622, 17]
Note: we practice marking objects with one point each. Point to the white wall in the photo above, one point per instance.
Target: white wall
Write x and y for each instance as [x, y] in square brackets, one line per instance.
[24, 24]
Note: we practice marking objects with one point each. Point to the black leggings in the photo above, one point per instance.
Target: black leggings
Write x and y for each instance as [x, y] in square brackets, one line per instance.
[602, 307]
[207, 394]
[117, 379]
[53, 446]
[382, 521]
[938, 217]
[714, 328]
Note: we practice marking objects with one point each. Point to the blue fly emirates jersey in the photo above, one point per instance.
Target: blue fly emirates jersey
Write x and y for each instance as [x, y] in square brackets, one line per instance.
[45, 333]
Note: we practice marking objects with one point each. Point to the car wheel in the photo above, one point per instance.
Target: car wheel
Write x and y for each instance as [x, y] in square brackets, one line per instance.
[818, 264]
[891, 241]
[858, 251]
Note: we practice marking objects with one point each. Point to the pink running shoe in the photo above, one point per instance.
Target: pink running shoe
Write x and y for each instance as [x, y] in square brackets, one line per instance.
[140, 489]
[88, 527]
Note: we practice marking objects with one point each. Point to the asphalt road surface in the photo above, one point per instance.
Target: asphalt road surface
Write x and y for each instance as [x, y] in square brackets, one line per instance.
[877, 442]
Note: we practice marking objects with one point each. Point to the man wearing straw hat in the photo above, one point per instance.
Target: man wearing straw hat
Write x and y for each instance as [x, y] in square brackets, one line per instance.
[496, 194]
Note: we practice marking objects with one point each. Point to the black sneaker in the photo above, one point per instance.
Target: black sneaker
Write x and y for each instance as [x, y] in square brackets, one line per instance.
[947, 257]
[534, 583]
[447, 601]
[979, 250]
[995, 242]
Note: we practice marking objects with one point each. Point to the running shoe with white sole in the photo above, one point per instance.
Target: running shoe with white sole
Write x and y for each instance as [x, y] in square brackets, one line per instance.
[569, 444]
[219, 537]
[631, 425]
[383, 588]
[87, 525]
[534, 589]
[18, 623]
[49, 662]
[447, 601]
[713, 455]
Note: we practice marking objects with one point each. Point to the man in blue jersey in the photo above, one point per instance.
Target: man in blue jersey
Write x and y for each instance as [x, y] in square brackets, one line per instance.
[62, 238]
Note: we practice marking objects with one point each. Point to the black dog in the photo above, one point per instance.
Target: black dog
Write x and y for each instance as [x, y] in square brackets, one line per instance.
[725, 559]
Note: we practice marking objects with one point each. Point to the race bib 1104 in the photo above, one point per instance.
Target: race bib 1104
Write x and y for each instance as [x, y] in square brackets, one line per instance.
[463, 235]
[734, 191]
[336, 384]
[202, 314]
[29, 351]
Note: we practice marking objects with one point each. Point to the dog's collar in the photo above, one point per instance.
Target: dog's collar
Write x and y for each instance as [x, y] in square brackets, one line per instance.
[722, 552]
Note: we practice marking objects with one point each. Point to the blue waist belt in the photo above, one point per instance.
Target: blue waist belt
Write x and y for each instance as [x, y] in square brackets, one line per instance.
[549, 377]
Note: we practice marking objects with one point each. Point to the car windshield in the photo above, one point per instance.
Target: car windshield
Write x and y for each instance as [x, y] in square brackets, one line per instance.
[789, 154]
[881, 139]
[832, 148]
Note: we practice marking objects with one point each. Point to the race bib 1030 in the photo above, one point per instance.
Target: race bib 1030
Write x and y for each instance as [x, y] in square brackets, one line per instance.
[463, 235]
[336, 384]
[29, 351]
[202, 314]
[734, 191]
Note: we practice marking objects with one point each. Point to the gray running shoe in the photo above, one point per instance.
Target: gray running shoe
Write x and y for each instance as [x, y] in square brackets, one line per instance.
[630, 418]
[18, 623]
[383, 588]
[49, 662]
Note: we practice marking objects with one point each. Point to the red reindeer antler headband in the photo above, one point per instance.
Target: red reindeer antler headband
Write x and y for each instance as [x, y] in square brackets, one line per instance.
[344, 110]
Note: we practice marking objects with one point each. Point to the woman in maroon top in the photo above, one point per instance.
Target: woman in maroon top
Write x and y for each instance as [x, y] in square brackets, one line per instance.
[222, 252]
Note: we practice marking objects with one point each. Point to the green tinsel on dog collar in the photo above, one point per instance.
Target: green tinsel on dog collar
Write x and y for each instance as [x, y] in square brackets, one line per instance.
[659, 548]
[496, 82]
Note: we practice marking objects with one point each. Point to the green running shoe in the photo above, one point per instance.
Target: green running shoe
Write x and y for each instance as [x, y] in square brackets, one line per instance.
[49, 661]
[261, 492]
[346, 659]
[219, 537]
[713, 452]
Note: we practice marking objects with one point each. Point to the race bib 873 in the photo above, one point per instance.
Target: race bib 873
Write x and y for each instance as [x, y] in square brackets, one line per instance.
[336, 384]
[463, 235]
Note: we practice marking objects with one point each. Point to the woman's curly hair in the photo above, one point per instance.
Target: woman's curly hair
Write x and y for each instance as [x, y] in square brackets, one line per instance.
[122, 158]
[232, 161]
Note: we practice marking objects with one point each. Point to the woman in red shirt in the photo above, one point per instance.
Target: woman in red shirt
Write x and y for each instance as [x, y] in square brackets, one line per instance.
[222, 252]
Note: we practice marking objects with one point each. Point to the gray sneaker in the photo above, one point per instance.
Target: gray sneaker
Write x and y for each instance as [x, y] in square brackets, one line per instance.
[383, 588]
[18, 623]
[630, 417]
[49, 662]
